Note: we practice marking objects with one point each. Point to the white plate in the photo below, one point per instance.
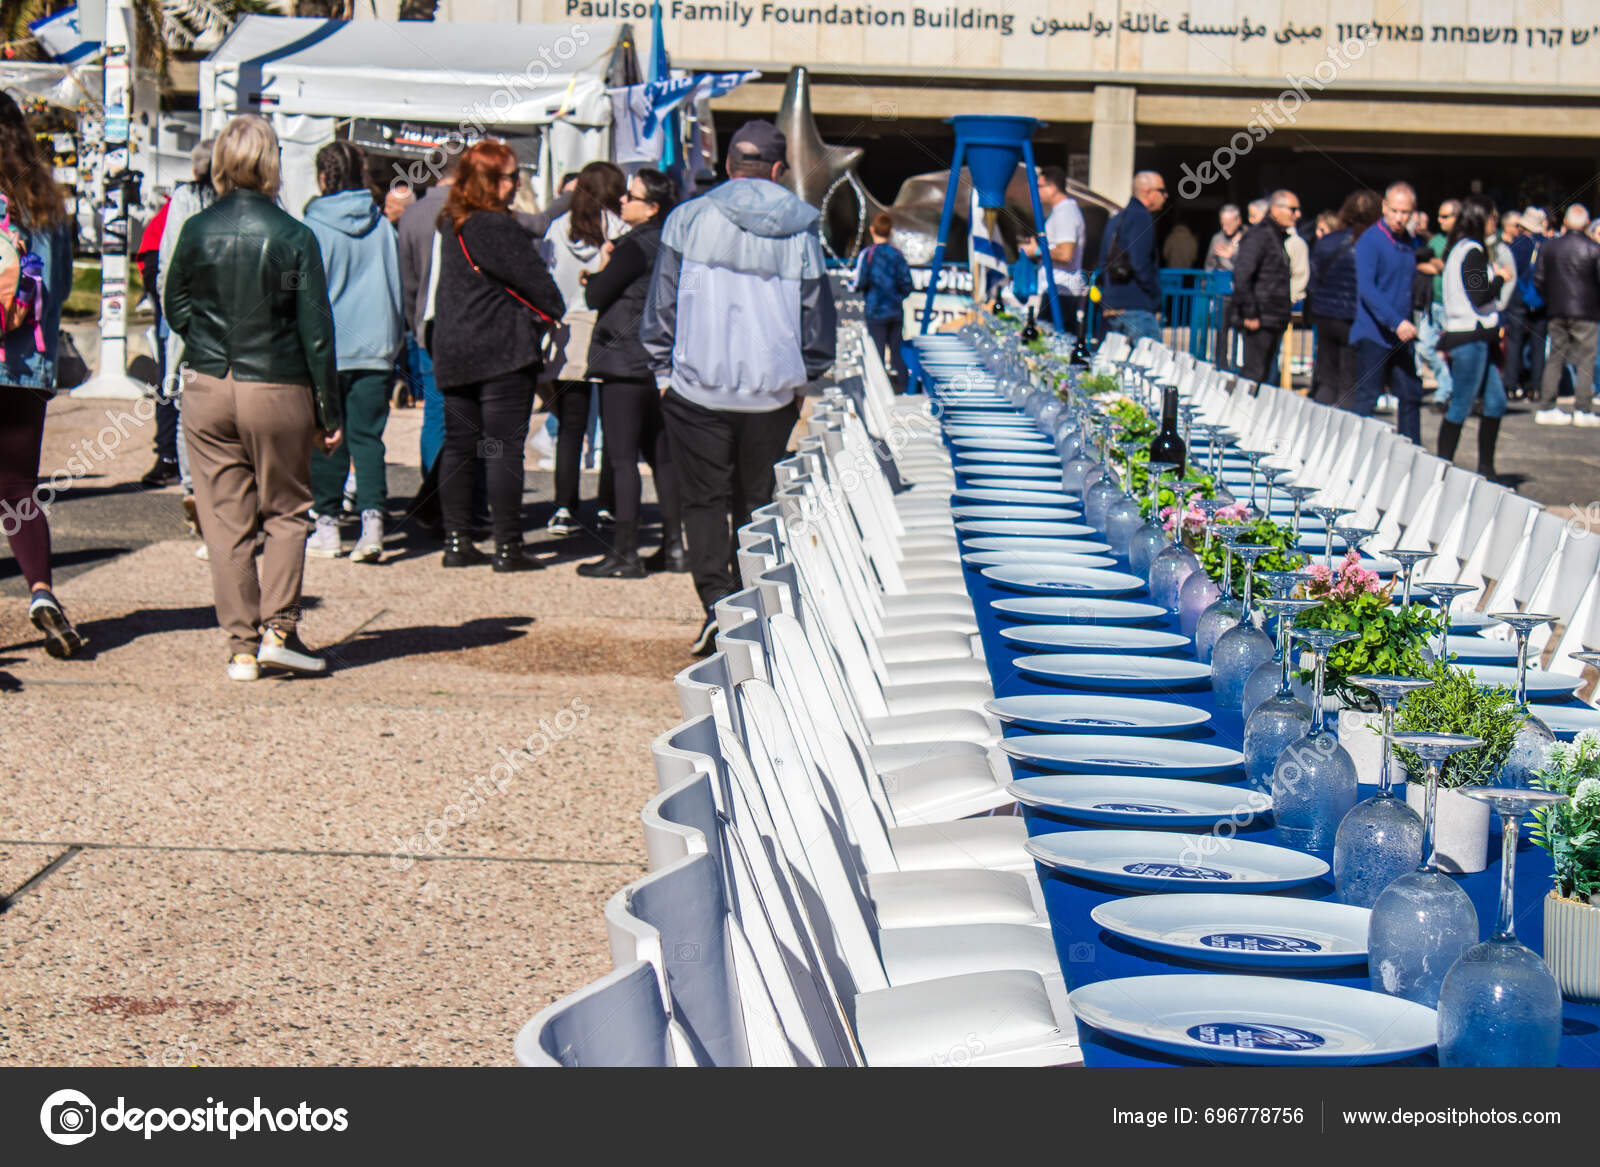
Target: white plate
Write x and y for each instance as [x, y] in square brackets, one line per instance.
[1007, 457]
[1541, 682]
[1081, 713]
[1078, 609]
[987, 470]
[1109, 671]
[1091, 638]
[1021, 445]
[1082, 753]
[1058, 581]
[1023, 527]
[1567, 720]
[1481, 650]
[1015, 496]
[1130, 800]
[1036, 558]
[1027, 513]
[984, 426]
[1025, 485]
[1045, 546]
[1248, 1020]
[1244, 931]
[1162, 861]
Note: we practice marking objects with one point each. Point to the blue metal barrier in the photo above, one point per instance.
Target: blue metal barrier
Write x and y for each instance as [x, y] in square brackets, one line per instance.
[1193, 310]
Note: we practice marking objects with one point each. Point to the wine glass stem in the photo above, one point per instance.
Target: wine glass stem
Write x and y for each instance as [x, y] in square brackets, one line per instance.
[1388, 728]
[1405, 594]
[1316, 694]
[1294, 523]
[1227, 570]
[1283, 653]
[1522, 667]
[1244, 601]
[1427, 817]
[1504, 929]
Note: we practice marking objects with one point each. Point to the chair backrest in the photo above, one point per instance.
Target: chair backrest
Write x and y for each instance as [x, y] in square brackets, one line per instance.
[1572, 572]
[1500, 540]
[1535, 554]
[619, 1020]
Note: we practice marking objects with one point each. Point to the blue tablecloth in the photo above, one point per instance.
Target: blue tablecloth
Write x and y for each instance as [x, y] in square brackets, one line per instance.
[1089, 954]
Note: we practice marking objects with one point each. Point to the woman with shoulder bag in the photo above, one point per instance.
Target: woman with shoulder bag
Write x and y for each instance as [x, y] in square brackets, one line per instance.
[575, 242]
[630, 403]
[1472, 332]
[494, 301]
[42, 229]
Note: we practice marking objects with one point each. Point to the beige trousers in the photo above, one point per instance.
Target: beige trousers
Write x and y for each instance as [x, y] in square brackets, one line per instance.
[250, 454]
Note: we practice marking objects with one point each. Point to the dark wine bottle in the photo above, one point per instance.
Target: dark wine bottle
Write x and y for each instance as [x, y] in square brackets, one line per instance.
[1030, 330]
[1167, 445]
[999, 306]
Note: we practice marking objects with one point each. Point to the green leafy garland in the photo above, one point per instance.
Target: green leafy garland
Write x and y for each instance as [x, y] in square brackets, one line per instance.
[1262, 531]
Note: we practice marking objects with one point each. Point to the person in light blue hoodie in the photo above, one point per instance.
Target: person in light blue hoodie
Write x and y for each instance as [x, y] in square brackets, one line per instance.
[361, 254]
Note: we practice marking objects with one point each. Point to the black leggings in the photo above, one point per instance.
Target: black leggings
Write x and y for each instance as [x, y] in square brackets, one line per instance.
[22, 518]
[571, 407]
[630, 411]
[488, 420]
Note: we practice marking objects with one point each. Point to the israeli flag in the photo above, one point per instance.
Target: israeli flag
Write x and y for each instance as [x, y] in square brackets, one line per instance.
[59, 35]
[985, 247]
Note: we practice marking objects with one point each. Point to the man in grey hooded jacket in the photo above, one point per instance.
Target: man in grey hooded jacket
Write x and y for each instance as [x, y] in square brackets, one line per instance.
[738, 318]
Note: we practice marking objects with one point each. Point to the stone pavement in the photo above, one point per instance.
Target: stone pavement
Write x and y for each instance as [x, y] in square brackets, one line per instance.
[396, 864]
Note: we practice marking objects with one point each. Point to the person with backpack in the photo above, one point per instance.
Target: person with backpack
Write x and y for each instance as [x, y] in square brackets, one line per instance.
[35, 278]
[494, 302]
[361, 257]
[1524, 316]
[885, 280]
[1130, 290]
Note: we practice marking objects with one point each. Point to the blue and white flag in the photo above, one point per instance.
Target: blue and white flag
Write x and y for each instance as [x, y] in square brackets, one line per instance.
[983, 244]
[59, 35]
[663, 97]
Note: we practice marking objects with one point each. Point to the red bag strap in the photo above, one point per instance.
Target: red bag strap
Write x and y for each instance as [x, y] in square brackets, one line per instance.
[548, 319]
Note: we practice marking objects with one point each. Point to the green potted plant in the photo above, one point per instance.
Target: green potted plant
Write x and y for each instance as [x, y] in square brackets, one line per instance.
[1570, 832]
[1457, 703]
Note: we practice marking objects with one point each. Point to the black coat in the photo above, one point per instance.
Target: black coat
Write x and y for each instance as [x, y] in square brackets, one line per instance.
[480, 330]
[617, 293]
[1261, 277]
[1568, 276]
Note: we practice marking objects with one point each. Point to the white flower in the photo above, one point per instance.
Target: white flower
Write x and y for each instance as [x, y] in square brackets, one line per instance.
[1588, 737]
[1586, 798]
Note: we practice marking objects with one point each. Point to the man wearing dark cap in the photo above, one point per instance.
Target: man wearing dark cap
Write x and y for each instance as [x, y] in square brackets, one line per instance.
[739, 317]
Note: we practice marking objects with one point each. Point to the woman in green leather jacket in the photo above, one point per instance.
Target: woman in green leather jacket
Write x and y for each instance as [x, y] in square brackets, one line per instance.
[248, 296]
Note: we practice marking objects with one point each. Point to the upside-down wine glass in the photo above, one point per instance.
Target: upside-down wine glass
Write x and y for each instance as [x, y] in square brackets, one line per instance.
[1330, 515]
[1099, 493]
[1283, 718]
[1534, 739]
[1255, 457]
[1381, 839]
[1174, 564]
[1240, 649]
[1224, 612]
[1199, 591]
[1314, 780]
[1499, 1004]
[1123, 516]
[1447, 594]
[1423, 921]
[1266, 681]
[1408, 561]
[1299, 494]
[1151, 537]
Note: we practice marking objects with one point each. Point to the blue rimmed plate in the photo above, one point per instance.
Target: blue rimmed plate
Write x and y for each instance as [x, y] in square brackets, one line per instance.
[1163, 861]
[1481, 650]
[1078, 610]
[1007, 458]
[1022, 445]
[1251, 1020]
[975, 470]
[1095, 670]
[1055, 581]
[1541, 682]
[1131, 800]
[1081, 713]
[1032, 513]
[1567, 721]
[1014, 496]
[1061, 559]
[1042, 528]
[1093, 638]
[1242, 931]
[1082, 753]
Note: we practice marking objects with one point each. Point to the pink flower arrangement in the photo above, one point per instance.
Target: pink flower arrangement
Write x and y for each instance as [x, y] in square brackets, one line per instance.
[1351, 580]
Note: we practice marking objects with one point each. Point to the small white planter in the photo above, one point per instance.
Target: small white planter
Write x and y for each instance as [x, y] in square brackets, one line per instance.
[1572, 947]
[1460, 828]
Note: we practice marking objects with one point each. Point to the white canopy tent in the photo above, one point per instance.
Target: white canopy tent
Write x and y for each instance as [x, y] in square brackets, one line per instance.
[307, 75]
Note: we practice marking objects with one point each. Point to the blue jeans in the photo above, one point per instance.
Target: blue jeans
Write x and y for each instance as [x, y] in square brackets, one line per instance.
[1429, 329]
[1377, 363]
[417, 368]
[1136, 324]
[1471, 373]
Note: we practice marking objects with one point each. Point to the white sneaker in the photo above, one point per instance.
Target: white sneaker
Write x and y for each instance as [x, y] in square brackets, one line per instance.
[1552, 417]
[287, 652]
[1386, 404]
[349, 500]
[324, 542]
[561, 522]
[370, 546]
[200, 552]
[243, 667]
[1586, 419]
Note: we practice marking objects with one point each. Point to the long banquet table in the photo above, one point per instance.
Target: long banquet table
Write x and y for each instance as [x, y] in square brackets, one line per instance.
[1089, 954]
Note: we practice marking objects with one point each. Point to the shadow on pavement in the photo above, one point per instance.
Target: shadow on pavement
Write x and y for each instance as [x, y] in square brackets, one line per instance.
[381, 644]
[64, 559]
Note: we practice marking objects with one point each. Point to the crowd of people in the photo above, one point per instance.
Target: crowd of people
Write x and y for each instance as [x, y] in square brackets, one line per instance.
[690, 328]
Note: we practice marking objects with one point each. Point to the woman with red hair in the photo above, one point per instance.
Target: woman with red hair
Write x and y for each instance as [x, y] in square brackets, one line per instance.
[494, 300]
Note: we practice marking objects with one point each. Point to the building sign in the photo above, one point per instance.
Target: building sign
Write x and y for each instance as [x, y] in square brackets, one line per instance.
[1488, 44]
